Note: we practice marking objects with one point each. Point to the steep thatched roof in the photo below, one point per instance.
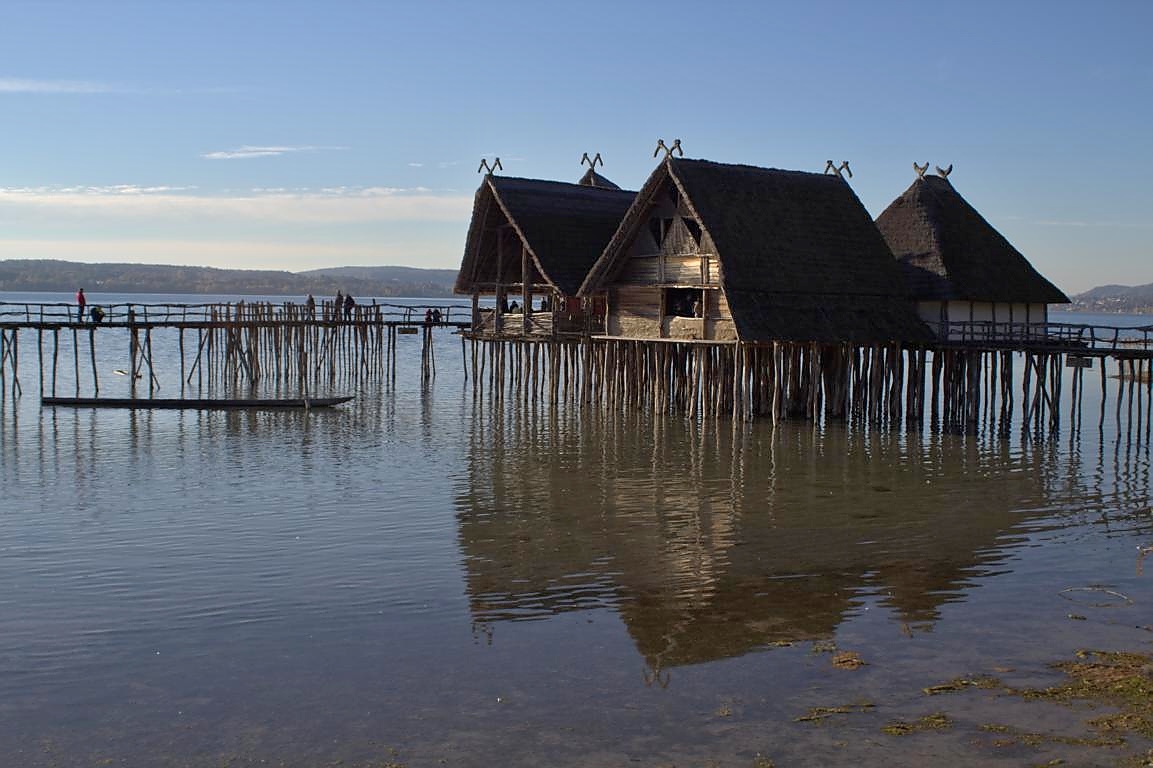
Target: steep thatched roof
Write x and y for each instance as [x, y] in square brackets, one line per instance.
[948, 251]
[564, 226]
[800, 257]
[594, 179]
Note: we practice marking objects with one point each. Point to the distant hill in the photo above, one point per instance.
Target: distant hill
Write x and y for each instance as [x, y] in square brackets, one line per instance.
[433, 282]
[67, 276]
[1135, 299]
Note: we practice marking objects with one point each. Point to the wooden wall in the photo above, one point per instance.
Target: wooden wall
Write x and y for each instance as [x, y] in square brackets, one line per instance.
[669, 250]
[635, 311]
[1001, 319]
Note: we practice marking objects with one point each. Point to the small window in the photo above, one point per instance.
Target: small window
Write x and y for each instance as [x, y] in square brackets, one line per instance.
[694, 229]
[683, 302]
[658, 231]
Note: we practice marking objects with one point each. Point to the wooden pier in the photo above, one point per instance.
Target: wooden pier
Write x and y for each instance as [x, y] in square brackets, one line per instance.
[237, 344]
[982, 377]
[985, 375]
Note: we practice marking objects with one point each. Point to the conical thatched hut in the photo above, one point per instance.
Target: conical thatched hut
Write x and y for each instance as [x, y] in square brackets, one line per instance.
[967, 279]
[732, 252]
[530, 245]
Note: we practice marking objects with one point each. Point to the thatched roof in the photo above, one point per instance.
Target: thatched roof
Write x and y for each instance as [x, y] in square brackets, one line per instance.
[801, 259]
[594, 179]
[948, 251]
[564, 226]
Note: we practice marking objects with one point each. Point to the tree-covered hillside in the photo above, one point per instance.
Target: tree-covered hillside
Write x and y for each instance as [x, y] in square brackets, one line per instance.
[50, 275]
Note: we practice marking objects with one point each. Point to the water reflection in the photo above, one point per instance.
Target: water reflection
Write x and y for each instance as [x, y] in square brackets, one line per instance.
[711, 542]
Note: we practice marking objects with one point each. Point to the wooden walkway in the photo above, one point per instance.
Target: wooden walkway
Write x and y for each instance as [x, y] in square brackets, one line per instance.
[232, 343]
[17, 315]
[979, 373]
[1072, 338]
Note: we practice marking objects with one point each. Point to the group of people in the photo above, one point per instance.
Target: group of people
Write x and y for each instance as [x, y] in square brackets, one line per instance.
[513, 306]
[342, 306]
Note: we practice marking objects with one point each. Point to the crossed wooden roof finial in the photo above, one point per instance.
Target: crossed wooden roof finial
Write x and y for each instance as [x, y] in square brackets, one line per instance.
[490, 169]
[920, 169]
[944, 172]
[676, 147]
[592, 164]
[838, 169]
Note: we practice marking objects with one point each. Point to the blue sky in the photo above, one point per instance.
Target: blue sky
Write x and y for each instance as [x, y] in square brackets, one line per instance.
[293, 135]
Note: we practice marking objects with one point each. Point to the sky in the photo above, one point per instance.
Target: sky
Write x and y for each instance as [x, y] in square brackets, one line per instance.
[303, 134]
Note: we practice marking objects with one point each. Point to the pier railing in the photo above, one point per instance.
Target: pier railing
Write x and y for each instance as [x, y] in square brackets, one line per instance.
[62, 313]
[1068, 336]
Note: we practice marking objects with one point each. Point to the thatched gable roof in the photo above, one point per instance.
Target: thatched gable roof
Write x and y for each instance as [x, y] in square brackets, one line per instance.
[948, 251]
[564, 226]
[594, 179]
[801, 259]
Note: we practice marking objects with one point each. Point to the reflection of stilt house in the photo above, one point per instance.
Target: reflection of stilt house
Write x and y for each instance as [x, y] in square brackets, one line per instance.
[530, 244]
[696, 575]
[967, 279]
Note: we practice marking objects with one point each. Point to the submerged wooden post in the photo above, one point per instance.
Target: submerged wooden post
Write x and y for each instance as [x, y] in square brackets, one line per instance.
[92, 350]
[40, 357]
[55, 356]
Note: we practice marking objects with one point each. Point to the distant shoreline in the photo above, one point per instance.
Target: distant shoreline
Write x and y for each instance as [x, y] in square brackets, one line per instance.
[1100, 311]
[48, 276]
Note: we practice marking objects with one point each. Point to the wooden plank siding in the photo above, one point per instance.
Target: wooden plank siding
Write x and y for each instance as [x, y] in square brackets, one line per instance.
[683, 270]
[635, 311]
[641, 270]
[670, 250]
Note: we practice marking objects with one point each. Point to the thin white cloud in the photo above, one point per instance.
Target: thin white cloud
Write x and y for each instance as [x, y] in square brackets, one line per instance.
[247, 152]
[1072, 223]
[1079, 223]
[236, 254]
[329, 205]
[22, 85]
[442, 164]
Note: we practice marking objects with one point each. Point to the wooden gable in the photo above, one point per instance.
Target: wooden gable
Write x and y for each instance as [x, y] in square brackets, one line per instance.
[670, 247]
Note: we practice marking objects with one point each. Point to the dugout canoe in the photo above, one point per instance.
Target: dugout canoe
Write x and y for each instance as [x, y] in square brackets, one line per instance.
[196, 404]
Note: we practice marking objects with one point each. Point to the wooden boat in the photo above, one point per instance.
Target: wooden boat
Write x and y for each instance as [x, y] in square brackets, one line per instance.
[199, 404]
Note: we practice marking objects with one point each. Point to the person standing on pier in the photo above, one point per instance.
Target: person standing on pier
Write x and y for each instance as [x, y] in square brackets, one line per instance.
[81, 302]
[310, 304]
[349, 304]
[337, 305]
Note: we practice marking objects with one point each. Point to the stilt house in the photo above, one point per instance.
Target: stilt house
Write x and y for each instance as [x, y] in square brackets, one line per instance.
[720, 252]
[968, 281]
[530, 245]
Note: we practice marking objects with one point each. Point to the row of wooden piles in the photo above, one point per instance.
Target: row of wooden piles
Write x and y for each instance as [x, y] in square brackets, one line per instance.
[957, 390]
[226, 349]
[309, 353]
[248, 343]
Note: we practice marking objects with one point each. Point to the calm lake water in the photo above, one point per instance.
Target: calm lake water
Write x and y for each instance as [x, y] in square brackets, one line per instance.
[425, 578]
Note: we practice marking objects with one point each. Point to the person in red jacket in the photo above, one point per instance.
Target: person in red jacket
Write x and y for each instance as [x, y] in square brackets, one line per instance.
[80, 303]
